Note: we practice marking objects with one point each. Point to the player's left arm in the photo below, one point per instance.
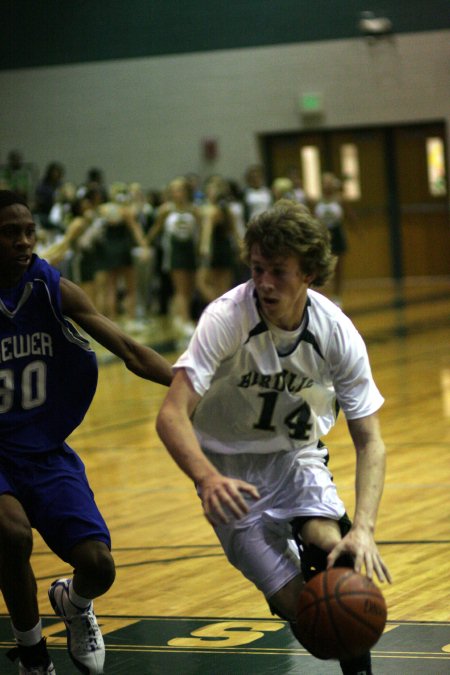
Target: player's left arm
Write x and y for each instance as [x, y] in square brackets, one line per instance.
[370, 471]
[141, 360]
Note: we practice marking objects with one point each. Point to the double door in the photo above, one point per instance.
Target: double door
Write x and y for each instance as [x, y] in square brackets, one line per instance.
[395, 185]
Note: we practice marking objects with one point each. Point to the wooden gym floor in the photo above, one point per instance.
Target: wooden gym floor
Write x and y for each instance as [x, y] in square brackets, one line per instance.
[177, 606]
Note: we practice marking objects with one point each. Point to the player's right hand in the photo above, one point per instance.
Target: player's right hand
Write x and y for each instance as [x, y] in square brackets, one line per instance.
[223, 498]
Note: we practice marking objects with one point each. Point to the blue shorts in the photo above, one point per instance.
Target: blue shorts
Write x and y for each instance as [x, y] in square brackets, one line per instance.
[54, 491]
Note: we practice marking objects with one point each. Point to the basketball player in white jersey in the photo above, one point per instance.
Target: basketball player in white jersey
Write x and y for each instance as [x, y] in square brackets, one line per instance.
[270, 365]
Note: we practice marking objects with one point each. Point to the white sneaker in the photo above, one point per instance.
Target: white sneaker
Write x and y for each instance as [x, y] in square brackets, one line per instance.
[84, 639]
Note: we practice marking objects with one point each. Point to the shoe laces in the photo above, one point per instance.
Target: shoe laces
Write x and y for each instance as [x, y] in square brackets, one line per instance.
[85, 631]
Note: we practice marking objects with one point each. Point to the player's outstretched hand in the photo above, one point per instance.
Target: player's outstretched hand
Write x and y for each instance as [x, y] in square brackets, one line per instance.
[360, 544]
[223, 498]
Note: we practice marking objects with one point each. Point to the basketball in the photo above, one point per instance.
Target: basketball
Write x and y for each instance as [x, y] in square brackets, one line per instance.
[341, 614]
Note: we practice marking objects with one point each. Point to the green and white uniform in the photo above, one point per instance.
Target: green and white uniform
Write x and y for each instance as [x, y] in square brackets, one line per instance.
[179, 241]
[268, 397]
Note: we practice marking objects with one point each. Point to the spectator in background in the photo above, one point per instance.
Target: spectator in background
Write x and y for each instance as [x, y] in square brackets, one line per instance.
[297, 187]
[330, 211]
[143, 255]
[218, 242]
[257, 196]
[282, 188]
[121, 233]
[77, 253]
[161, 288]
[61, 212]
[46, 192]
[195, 185]
[94, 181]
[17, 176]
[178, 224]
[236, 204]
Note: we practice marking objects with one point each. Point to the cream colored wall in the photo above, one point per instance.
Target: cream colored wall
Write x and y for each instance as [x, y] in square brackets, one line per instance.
[144, 119]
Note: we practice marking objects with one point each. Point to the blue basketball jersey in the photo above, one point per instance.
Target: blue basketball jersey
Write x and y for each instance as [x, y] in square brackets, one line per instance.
[48, 371]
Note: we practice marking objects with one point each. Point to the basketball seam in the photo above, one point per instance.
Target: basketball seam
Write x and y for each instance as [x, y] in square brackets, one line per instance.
[317, 599]
[351, 612]
[338, 636]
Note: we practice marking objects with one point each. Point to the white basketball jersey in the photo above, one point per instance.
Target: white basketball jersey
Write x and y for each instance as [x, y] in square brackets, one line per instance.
[257, 401]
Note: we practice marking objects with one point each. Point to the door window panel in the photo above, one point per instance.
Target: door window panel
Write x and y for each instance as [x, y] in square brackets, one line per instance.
[311, 170]
[436, 167]
[351, 185]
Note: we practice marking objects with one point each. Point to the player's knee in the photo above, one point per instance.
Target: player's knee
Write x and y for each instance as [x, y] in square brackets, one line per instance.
[16, 538]
[105, 570]
[94, 560]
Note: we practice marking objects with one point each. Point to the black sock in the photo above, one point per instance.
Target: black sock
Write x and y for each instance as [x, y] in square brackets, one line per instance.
[359, 666]
[37, 655]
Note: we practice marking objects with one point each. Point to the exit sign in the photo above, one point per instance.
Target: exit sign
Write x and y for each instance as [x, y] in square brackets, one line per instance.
[311, 103]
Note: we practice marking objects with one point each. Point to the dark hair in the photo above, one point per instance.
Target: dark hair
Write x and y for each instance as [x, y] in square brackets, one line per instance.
[51, 168]
[9, 198]
[76, 207]
[95, 175]
[253, 168]
[90, 196]
[287, 229]
[235, 190]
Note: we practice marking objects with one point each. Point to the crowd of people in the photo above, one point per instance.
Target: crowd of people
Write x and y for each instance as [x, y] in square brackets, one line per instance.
[139, 252]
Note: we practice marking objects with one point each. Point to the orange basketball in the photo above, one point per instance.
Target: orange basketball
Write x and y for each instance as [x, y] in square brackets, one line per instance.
[341, 614]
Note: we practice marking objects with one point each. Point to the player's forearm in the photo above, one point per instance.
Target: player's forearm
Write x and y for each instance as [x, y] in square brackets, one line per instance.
[176, 432]
[141, 360]
[370, 472]
[146, 363]
[370, 469]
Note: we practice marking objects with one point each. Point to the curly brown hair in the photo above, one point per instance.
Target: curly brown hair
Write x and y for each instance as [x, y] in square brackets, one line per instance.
[287, 229]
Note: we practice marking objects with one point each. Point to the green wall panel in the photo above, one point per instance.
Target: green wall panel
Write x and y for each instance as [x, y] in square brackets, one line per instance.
[51, 32]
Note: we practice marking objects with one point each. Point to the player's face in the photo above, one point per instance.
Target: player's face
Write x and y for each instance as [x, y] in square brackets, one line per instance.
[17, 241]
[281, 288]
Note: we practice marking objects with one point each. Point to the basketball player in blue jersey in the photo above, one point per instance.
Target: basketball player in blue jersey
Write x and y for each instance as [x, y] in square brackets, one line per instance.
[259, 385]
[48, 377]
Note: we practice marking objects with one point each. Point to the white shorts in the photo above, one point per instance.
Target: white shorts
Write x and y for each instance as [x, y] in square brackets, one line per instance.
[261, 545]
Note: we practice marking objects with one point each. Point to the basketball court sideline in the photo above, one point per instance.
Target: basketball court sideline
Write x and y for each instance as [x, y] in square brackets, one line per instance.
[158, 645]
